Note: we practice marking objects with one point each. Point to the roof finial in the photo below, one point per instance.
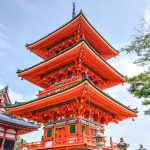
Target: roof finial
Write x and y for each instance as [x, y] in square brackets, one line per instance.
[74, 11]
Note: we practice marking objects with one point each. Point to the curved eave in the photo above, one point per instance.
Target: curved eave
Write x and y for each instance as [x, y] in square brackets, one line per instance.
[101, 98]
[101, 66]
[72, 25]
[22, 128]
[18, 126]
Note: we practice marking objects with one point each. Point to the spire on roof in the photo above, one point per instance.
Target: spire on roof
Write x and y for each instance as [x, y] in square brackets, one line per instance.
[5, 89]
[74, 11]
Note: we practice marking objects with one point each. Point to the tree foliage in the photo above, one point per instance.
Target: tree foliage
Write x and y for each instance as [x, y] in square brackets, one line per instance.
[18, 142]
[140, 84]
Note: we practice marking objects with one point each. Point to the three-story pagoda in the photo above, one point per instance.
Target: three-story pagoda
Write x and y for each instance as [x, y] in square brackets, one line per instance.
[73, 75]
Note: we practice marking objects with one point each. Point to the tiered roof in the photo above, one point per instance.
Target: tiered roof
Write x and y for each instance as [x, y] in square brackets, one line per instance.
[94, 50]
[69, 29]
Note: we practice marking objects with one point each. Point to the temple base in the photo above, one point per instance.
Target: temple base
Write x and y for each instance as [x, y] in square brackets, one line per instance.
[70, 133]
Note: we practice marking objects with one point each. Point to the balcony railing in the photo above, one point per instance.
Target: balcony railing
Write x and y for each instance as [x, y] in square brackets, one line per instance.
[58, 142]
[62, 142]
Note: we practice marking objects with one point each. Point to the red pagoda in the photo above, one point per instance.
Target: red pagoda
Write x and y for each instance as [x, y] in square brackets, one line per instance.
[73, 74]
[11, 126]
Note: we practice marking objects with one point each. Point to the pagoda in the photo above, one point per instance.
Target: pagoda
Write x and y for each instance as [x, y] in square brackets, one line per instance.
[11, 126]
[73, 74]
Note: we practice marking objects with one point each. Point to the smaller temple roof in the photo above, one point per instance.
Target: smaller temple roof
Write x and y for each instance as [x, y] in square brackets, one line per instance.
[3, 90]
[16, 121]
[7, 119]
[4, 93]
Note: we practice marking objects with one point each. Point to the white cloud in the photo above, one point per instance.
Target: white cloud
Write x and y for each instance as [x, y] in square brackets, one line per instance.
[3, 39]
[3, 27]
[14, 96]
[147, 15]
[3, 44]
[33, 136]
[124, 64]
[147, 19]
[133, 132]
[26, 5]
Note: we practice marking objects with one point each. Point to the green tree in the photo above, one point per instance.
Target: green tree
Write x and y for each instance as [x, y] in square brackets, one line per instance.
[140, 84]
[18, 142]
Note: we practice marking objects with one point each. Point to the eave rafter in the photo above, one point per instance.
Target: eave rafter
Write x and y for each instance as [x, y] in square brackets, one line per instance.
[71, 73]
[77, 108]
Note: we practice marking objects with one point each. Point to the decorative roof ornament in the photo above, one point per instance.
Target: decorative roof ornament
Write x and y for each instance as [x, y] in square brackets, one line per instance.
[4, 89]
[122, 145]
[85, 76]
[4, 95]
[141, 147]
[74, 11]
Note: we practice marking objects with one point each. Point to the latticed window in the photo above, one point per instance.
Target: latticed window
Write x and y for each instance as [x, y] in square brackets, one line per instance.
[83, 129]
[72, 128]
[49, 133]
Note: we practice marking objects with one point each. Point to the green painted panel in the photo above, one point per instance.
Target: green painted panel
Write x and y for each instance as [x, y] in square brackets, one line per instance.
[83, 129]
[72, 128]
[49, 133]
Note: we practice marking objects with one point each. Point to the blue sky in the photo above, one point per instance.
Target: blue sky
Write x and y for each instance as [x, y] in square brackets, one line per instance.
[25, 21]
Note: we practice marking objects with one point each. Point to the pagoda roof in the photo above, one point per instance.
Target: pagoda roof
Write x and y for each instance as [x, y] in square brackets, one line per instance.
[3, 92]
[97, 96]
[93, 60]
[7, 119]
[91, 34]
[14, 121]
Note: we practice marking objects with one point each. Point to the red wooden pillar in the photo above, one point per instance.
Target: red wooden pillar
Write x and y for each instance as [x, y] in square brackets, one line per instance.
[88, 130]
[78, 131]
[2, 147]
[67, 132]
[54, 136]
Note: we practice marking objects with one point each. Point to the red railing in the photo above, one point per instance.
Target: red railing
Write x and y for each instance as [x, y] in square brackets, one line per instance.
[59, 141]
[31, 146]
[65, 141]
